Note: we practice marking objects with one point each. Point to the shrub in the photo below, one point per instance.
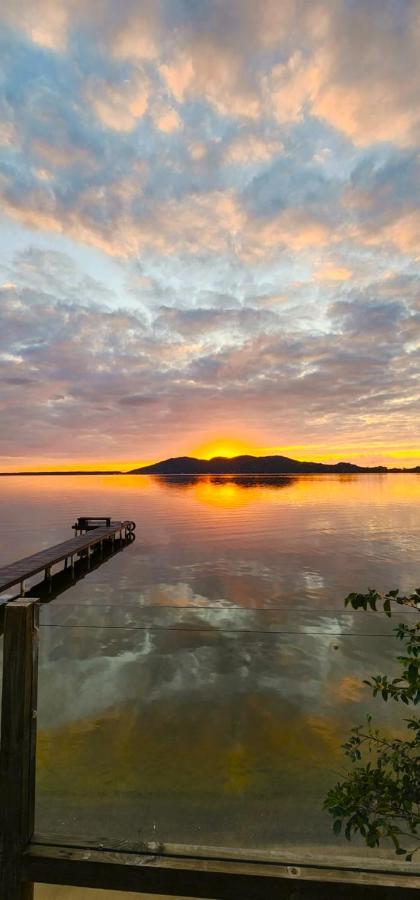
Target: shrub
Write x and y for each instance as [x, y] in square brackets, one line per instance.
[380, 797]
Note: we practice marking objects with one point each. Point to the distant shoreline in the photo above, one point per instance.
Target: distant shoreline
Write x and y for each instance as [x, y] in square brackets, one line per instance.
[256, 474]
[82, 472]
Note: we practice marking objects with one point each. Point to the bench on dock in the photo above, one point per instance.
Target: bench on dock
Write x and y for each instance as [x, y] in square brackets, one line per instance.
[88, 523]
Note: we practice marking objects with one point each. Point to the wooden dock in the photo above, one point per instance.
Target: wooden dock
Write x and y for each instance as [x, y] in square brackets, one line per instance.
[17, 573]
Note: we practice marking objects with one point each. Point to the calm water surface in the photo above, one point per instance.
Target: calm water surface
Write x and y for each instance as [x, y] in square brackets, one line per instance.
[196, 687]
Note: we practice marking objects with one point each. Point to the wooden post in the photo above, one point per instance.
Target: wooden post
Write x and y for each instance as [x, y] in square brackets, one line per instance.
[18, 743]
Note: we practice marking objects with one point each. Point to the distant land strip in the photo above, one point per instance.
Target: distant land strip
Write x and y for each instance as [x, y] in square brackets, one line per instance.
[239, 465]
[79, 472]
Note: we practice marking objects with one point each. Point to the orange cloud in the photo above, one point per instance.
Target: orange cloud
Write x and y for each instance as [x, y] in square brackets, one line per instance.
[291, 86]
[119, 106]
[330, 272]
[366, 113]
[165, 118]
[136, 33]
[179, 75]
[212, 70]
[402, 232]
[45, 22]
[296, 228]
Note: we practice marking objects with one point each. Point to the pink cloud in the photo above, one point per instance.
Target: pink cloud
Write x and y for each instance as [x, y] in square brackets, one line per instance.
[165, 118]
[45, 22]
[119, 106]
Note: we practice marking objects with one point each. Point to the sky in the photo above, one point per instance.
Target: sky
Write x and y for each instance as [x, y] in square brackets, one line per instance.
[209, 230]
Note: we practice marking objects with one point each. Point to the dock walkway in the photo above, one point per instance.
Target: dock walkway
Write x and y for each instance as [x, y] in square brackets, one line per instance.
[20, 571]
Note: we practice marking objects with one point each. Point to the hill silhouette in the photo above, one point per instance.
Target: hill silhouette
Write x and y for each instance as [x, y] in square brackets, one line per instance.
[258, 465]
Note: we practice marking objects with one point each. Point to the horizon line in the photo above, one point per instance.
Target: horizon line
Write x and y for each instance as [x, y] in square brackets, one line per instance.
[142, 465]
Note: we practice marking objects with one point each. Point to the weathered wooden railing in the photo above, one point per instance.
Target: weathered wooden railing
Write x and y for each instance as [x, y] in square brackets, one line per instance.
[196, 872]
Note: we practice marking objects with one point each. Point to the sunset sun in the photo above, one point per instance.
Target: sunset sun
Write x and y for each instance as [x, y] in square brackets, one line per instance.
[223, 446]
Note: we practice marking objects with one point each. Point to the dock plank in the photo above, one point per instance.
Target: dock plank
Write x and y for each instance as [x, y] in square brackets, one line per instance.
[25, 568]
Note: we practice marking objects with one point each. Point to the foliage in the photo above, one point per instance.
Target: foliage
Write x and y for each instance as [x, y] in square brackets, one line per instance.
[380, 798]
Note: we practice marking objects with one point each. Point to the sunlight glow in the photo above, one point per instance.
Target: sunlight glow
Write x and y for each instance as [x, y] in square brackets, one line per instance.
[44, 464]
[225, 494]
[224, 446]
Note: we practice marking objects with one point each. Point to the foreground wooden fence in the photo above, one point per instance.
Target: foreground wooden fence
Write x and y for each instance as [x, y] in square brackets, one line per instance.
[27, 858]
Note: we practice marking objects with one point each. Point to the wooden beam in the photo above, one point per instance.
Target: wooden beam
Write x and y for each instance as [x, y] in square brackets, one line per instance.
[18, 743]
[318, 856]
[204, 878]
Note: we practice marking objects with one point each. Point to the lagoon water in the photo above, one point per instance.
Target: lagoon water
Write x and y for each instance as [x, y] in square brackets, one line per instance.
[196, 687]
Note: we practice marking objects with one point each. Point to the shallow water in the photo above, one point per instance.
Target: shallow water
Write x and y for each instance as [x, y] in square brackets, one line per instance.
[196, 687]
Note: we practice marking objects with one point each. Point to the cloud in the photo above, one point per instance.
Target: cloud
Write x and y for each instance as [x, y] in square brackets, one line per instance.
[166, 118]
[213, 72]
[292, 228]
[84, 369]
[211, 59]
[291, 87]
[370, 91]
[54, 273]
[331, 272]
[119, 106]
[135, 33]
[45, 22]
[114, 150]
[136, 400]
[382, 318]
[225, 325]
[252, 171]
[246, 149]
[352, 64]
[382, 198]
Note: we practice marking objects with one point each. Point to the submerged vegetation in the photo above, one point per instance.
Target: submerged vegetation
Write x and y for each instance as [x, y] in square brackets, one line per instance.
[380, 797]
